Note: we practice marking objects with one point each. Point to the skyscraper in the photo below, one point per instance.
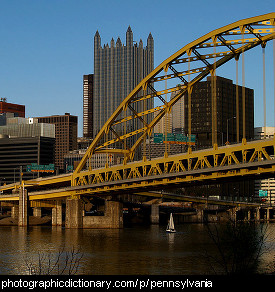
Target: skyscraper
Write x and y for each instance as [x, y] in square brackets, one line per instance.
[88, 105]
[118, 68]
[201, 113]
[65, 135]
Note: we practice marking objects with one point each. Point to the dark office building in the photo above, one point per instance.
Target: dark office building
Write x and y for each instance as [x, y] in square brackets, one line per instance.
[16, 152]
[65, 135]
[201, 126]
[88, 105]
[201, 112]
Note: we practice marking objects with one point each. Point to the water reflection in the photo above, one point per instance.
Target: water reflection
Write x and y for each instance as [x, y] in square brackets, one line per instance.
[138, 250]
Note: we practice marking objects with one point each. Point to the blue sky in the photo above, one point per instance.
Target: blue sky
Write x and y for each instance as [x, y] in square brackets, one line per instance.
[47, 45]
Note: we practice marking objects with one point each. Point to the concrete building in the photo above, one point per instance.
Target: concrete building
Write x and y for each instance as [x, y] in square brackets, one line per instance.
[154, 150]
[174, 121]
[65, 135]
[23, 141]
[164, 125]
[265, 188]
[27, 127]
[177, 113]
[118, 69]
[98, 160]
[4, 117]
[263, 132]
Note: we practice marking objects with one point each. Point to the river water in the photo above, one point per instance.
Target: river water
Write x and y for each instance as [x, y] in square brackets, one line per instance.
[130, 251]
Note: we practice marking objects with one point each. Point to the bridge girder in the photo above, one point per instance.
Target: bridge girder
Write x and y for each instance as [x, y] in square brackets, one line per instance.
[205, 166]
[237, 38]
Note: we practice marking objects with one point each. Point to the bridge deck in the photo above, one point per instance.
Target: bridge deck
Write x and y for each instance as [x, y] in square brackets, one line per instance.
[246, 159]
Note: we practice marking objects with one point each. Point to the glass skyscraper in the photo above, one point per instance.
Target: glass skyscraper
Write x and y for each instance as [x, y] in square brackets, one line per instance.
[118, 69]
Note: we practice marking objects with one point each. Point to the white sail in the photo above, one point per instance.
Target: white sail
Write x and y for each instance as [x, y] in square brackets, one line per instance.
[170, 226]
[171, 222]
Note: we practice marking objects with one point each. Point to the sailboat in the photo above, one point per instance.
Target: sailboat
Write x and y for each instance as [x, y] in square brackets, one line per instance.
[170, 227]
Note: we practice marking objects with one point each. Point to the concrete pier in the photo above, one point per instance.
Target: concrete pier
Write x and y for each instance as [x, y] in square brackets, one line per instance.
[37, 212]
[200, 215]
[113, 212]
[74, 213]
[57, 214]
[257, 214]
[154, 214]
[23, 208]
[113, 217]
[233, 214]
[15, 212]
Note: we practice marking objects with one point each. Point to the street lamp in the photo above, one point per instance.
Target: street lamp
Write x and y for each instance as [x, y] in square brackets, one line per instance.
[227, 128]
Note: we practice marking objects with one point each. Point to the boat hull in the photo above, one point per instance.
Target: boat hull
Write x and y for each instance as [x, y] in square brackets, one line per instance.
[170, 230]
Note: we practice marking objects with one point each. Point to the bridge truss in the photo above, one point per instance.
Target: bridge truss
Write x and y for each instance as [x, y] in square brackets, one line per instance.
[179, 73]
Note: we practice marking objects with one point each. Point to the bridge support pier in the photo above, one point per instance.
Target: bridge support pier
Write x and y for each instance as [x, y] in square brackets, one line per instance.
[200, 215]
[23, 208]
[233, 214]
[15, 212]
[74, 213]
[155, 214]
[112, 219]
[257, 214]
[57, 214]
[113, 216]
[37, 212]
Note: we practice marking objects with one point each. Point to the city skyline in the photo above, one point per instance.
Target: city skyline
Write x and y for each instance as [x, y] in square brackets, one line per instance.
[47, 47]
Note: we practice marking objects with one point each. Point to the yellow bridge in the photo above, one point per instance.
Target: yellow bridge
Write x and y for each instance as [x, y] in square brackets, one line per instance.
[179, 73]
[204, 166]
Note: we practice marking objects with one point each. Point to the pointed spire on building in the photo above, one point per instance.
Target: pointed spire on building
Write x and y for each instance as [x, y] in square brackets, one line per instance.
[118, 42]
[129, 37]
[112, 43]
[140, 43]
[97, 40]
[150, 42]
[129, 30]
[150, 38]
[97, 34]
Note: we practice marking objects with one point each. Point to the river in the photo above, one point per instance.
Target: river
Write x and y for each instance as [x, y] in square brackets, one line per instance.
[137, 250]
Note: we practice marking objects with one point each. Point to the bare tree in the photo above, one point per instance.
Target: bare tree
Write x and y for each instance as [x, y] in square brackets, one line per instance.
[238, 247]
[62, 263]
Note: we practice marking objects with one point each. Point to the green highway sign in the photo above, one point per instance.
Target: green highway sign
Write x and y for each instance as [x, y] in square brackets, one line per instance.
[180, 138]
[262, 193]
[158, 138]
[34, 167]
[171, 138]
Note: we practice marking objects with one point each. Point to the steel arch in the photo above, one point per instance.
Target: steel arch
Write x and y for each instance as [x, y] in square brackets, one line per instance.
[193, 61]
